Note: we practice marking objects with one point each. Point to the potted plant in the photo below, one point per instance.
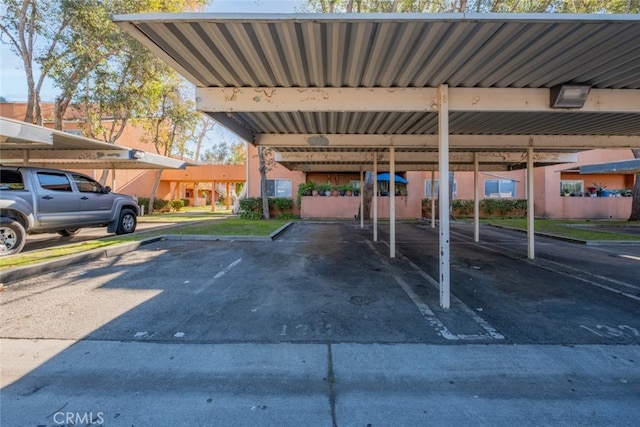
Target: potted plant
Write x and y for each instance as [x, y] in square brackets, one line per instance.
[304, 189]
[600, 188]
[342, 190]
[324, 189]
[348, 189]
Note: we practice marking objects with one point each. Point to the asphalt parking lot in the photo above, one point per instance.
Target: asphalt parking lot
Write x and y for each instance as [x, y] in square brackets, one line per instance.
[320, 327]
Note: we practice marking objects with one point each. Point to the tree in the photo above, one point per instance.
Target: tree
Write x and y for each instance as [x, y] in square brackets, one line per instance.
[267, 163]
[171, 119]
[67, 39]
[22, 24]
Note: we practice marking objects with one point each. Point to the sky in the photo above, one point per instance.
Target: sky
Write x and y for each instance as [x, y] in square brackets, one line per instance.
[13, 86]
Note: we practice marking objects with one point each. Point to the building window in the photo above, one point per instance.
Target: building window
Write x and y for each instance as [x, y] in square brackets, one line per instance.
[436, 182]
[500, 188]
[278, 188]
[572, 187]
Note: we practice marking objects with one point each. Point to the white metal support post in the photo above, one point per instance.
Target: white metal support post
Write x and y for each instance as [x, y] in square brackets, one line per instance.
[375, 196]
[443, 192]
[531, 247]
[476, 199]
[392, 202]
[433, 199]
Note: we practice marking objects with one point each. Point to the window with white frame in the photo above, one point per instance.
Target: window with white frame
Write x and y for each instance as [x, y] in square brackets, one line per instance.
[500, 188]
[278, 188]
[436, 182]
[572, 187]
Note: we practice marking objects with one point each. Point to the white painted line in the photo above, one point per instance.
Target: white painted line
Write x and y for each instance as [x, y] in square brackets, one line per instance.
[218, 275]
[424, 309]
[474, 316]
[635, 258]
[540, 261]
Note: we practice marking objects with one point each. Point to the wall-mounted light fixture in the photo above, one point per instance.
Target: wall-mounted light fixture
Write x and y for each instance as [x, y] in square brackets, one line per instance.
[569, 96]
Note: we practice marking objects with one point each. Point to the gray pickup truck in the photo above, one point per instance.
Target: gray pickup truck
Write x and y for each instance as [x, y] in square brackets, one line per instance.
[38, 200]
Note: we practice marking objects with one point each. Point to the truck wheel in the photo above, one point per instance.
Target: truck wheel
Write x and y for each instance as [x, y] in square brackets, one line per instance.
[127, 222]
[67, 232]
[12, 236]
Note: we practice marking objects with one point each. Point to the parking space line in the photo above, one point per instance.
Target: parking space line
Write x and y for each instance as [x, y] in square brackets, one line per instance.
[217, 276]
[539, 262]
[429, 315]
[472, 314]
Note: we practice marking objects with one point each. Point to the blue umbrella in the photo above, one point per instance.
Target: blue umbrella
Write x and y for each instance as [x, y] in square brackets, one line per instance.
[386, 177]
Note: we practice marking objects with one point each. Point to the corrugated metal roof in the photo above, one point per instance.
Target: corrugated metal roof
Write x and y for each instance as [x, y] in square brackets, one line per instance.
[516, 51]
[403, 50]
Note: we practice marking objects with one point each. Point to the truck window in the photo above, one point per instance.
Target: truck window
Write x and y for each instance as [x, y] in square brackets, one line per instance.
[86, 185]
[11, 180]
[54, 181]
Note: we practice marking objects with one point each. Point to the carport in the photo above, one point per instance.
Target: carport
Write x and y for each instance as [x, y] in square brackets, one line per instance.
[411, 92]
[26, 144]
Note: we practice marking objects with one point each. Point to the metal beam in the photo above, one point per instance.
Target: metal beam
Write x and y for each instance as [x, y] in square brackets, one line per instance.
[427, 157]
[457, 142]
[339, 99]
[401, 167]
[75, 155]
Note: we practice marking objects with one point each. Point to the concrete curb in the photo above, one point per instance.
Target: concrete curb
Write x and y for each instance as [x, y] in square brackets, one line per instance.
[20, 273]
[573, 240]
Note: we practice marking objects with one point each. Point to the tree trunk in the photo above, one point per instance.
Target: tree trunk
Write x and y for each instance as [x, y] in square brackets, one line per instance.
[196, 190]
[635, 203]
[367, 195]
[263, 183]
[152, 196]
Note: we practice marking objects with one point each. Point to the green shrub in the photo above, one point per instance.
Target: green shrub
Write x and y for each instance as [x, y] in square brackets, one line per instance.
[159, 205]
[176, 204]
[489, 208]
[282, 203]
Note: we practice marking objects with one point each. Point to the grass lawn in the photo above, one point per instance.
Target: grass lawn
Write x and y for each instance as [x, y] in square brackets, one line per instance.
[211, 226]
[575, 229]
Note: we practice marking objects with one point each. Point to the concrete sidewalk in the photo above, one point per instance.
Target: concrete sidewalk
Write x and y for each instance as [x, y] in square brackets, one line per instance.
[145, 384]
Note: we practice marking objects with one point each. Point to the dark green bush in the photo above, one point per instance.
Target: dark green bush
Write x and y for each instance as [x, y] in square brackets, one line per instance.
[489, 208]
[158, 204]
[176, 204]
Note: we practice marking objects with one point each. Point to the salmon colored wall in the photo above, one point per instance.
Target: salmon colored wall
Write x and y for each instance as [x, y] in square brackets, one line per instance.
[550, 204]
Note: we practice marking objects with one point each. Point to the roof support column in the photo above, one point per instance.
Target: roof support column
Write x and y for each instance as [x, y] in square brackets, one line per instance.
[476, 199]
[443, 192]
[392, 202]
[531, 247]
[213, 195]
[361, 198]
[433, 199]
[375, 196]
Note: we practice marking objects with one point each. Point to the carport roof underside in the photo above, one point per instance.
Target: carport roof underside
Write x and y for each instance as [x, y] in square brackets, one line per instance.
[325, 91]
[25, 144]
